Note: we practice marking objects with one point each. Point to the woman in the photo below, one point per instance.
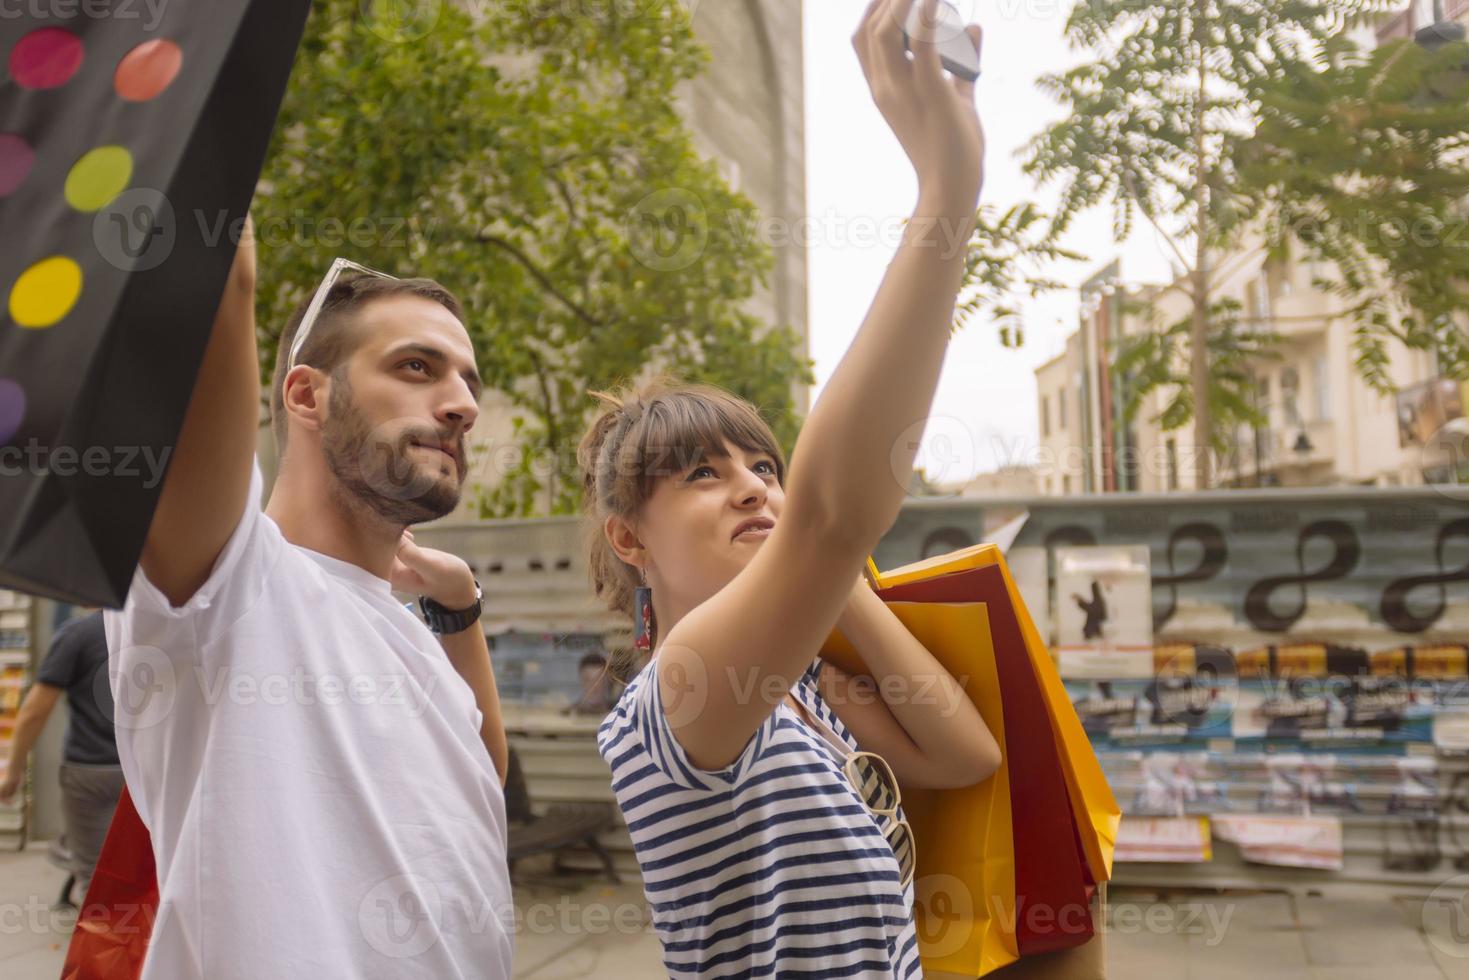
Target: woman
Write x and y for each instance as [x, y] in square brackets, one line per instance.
[756, 779]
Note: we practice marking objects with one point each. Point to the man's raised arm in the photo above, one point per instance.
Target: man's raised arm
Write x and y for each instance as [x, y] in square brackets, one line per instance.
[208, 478]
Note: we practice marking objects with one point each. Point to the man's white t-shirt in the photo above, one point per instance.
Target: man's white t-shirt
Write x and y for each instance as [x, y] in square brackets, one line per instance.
[310, 769]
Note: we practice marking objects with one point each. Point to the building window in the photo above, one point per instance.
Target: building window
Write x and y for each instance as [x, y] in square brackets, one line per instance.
[1290, 389]
[1045, 416]
[1262, 397]
[1066, 483]
[1321, 383]
[1259, 299]
[1061, 398]
[1172, 464]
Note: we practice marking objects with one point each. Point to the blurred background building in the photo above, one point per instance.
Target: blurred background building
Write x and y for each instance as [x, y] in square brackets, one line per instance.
[1324, 425]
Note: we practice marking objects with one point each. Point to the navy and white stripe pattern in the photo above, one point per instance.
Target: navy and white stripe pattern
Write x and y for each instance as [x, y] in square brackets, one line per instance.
[772, 867]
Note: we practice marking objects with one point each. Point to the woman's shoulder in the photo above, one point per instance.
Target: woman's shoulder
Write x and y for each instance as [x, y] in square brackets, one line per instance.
[808, 691]
[625, 711]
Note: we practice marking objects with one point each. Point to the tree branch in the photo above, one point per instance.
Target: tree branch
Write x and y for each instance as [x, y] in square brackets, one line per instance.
[1147, 213]
[553, 431]
[540, 277]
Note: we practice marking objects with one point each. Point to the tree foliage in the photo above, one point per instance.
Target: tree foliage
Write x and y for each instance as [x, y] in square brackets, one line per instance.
[1006, 264]
[1170, 97]
[533, 161]
[1156, 360]
[1363, 167]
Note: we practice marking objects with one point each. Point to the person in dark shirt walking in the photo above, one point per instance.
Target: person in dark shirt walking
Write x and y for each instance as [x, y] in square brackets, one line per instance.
[91, 775]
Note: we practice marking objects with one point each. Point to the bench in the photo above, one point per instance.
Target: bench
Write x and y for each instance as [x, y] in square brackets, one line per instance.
[563, 827]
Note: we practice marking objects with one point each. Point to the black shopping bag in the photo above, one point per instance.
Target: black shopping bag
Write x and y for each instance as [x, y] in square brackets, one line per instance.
[131, 138]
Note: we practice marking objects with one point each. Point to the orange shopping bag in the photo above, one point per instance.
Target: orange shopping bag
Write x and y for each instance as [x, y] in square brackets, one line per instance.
[1053, 885]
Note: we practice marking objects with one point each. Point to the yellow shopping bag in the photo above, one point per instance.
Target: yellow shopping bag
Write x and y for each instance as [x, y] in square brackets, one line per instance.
[965, 881]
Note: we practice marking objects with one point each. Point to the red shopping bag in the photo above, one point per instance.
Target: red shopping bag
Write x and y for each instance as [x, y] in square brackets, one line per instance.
[117, 916]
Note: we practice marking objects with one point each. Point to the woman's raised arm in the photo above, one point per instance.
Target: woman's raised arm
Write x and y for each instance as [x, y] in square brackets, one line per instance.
[725, 666]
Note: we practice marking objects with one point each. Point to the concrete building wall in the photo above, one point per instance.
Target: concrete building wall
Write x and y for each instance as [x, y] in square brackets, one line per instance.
[748, 111]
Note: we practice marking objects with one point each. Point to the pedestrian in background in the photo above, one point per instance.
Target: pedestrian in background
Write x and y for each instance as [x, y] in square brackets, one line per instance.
[90, 773]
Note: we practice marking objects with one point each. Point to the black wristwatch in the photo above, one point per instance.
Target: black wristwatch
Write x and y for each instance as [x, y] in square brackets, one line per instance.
[446, 622]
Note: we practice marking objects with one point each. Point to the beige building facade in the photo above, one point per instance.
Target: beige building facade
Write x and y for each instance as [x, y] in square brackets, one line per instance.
[1325, 426]
[1062, 447]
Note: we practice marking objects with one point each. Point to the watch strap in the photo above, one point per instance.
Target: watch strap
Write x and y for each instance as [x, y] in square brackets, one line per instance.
[446, 622]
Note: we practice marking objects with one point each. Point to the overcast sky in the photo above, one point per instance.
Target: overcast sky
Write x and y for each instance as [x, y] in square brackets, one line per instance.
[860, 186]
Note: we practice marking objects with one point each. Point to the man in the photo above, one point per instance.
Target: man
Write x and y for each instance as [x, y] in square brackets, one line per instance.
[90, 776]
[597, 697]
[320, 775]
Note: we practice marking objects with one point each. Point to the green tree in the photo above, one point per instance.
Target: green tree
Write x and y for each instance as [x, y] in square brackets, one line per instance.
[1006, 264]
[532, 160]
[1162, 125]
[1363, 166]
[1157, 359]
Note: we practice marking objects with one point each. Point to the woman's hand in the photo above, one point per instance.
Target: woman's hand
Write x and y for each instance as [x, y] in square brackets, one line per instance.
[931, 113]
[444, 578]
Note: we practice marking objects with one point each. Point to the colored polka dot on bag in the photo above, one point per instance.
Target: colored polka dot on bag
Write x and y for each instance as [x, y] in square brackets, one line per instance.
[127, 142]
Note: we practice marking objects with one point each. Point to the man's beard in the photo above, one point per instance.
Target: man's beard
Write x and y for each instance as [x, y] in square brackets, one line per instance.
[382, 475]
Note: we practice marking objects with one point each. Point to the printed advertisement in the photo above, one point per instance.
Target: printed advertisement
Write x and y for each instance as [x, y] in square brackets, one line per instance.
[1104, 612]
[1166, 840]
[1333, 714]
[1289, 842]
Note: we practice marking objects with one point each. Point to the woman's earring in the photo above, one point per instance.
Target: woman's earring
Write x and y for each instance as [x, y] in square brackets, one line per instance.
[643, 604]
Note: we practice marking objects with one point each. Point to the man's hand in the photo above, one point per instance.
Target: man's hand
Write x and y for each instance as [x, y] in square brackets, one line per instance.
[442, 577]
[447, 580]
[208, 481]
[9, 786]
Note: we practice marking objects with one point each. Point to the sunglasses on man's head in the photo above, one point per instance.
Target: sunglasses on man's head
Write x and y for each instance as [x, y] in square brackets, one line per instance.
[313, 311]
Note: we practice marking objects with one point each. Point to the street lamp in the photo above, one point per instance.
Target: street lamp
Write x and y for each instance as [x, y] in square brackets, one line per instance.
[1303, 449]
[1442, 31]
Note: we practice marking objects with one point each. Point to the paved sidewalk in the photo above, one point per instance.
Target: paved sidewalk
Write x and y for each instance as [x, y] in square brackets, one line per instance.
[582, 927]
[568, 927]
[1366, 934]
